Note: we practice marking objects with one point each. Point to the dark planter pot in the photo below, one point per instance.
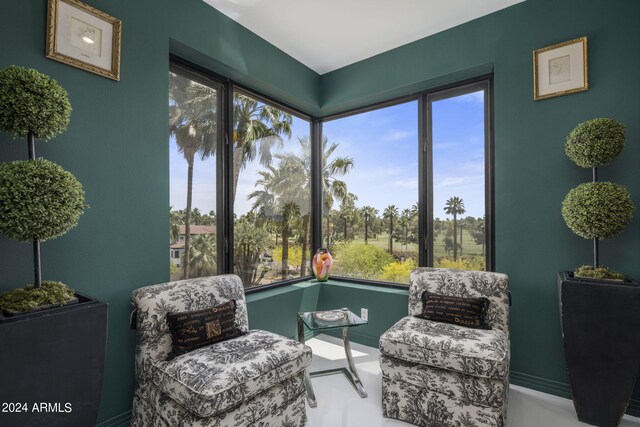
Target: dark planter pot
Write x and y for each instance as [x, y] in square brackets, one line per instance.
[52, 365]
[600, 323]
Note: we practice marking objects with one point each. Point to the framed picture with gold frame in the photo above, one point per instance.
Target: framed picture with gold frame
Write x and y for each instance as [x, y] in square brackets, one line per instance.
[560, 69]
[84, 37]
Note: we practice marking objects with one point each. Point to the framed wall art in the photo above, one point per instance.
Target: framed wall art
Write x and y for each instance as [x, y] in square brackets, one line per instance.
[560, 69]
[84, 37]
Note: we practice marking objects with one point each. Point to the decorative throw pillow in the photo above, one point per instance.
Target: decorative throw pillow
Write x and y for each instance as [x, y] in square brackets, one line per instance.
[469, 312]
[194, 329]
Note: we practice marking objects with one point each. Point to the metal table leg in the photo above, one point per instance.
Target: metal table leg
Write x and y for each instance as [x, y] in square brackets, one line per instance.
[353, 373]
[311, 397]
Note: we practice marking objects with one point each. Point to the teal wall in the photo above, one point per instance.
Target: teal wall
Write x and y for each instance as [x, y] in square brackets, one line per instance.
[385, 307]
[532, 173]
[116, 145]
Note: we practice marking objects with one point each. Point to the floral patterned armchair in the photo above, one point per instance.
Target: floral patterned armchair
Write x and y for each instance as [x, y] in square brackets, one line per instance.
[445, 375]
[253, 379]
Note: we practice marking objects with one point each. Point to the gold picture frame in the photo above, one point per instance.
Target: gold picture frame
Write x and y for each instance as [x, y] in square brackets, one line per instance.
[84, 37]
[560, 69]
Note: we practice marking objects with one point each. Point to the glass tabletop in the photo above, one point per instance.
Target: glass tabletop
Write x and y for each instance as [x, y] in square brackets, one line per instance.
[329, 319]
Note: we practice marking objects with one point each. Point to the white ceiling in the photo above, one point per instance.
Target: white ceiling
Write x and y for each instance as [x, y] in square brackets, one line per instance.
[328, 34]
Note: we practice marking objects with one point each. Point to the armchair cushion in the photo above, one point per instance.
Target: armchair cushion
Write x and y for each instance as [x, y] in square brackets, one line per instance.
[469, 312]
[476, 352]
[198, 328]
[212, 379]
[464, 284]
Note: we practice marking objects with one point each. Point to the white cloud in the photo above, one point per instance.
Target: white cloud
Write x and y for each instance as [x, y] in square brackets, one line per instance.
[406, 183]
[396, 135]
[451, 181]
[460, 181]
[470, 98]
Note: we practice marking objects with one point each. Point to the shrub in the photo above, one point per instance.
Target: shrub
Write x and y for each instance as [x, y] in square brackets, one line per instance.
[597, 273]
[597, 209]
[398, 272]
[595, 142]
[25, 299]
[466, 263]
[32, 101]
[403, 255]
[364, 261]
[39, 200]
[295, 255]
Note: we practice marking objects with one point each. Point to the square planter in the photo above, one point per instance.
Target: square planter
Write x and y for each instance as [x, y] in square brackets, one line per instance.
[600, 322]
[52, 365]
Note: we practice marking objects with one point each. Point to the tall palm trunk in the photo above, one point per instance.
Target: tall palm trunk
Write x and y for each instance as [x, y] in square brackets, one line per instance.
[187, 218]
[405, 238]
[366, 229]
[328, 233]
[455, 237]
[460, 240]
[237, 164]
[305, 237]
[285, 249]
[345, 229]
[391, 235]
[238, 153]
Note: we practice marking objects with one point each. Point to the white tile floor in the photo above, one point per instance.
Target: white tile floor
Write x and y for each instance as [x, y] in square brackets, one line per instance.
[340, 406]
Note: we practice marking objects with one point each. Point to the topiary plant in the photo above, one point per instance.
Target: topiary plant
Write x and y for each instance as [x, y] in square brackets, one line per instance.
[595, 142]
[596, 210]
[29, 298]
[597, 273]
[39, 200]
[32, 102]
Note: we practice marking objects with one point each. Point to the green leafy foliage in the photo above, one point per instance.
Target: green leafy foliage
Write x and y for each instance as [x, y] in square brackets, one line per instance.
[38, 200]
[595, 142]
[32, 101]
[597, 209]
[597, 273]
[28, 298]
[364, 261]
[398, 271]
[464, 263]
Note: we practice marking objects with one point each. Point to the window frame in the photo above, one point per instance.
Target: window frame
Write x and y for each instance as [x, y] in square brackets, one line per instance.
[224, 163]
[425, 170]
[484, 83]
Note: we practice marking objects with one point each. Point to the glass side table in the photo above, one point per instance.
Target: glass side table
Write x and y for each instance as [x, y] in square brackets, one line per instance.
[331, 319]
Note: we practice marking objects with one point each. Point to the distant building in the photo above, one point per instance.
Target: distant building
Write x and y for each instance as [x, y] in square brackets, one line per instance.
[176, 249]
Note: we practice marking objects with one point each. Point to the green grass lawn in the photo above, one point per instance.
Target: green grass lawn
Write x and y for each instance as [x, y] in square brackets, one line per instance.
[469, 247]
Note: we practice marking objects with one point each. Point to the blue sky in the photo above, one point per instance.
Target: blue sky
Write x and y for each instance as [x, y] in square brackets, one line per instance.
[384, 146]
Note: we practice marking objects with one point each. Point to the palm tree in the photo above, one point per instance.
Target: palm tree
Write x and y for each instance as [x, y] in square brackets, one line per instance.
[348, 213]
[249, 242]
[257, 129]
[175, 219]
[292, 182]
[203, 255]
[391, 214]
[193, 122]
[455, 207]
[405, 220]
[477, 233]
[290, 212]
[368, 212]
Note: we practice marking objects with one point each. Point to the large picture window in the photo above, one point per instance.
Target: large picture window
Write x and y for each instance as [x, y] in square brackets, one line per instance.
[370, 208]
[458, 141]
[195, 124]
[256, 187]
[272, 192]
